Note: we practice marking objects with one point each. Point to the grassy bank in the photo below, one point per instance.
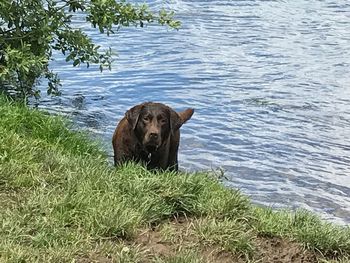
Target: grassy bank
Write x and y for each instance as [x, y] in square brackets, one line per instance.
[61, 201]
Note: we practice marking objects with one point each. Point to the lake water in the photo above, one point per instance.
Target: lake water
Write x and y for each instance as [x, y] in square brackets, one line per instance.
[270, 84]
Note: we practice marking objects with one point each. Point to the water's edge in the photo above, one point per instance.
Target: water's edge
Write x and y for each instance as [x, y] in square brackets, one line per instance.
[269, 81]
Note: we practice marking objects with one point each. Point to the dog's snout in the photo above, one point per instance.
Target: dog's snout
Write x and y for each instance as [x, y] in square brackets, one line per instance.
[153, 135]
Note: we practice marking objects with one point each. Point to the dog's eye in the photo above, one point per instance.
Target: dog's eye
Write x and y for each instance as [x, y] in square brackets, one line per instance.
[163, 121]
[146, 118]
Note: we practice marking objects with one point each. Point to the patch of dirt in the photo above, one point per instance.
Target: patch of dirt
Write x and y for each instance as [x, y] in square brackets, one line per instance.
[182, 240]
[153, 241]
[279, 250]
[94, 259]
[171, 238]
[269, 250]
[212, 254]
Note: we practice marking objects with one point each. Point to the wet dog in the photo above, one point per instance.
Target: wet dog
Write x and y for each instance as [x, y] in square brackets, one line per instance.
[149, 133]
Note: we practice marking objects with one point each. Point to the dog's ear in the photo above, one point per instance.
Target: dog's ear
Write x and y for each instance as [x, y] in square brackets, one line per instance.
[186, 115]
[177, 119]
[133, 114]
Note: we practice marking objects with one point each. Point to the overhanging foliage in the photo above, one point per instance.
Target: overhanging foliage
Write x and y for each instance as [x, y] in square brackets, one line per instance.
[30, 30]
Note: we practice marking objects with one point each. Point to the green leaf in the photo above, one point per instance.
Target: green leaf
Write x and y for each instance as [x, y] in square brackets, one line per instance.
[31, 29]
[76, 62]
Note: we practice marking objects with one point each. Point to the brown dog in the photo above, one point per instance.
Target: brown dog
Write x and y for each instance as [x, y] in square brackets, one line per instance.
[149, 133]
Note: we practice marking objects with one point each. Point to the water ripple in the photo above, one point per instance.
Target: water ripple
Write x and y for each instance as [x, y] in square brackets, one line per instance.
[270, 84]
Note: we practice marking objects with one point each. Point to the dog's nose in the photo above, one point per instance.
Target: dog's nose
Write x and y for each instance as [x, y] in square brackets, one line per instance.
[153, 135]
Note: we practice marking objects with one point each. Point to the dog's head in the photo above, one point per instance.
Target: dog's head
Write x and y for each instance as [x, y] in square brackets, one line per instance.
[154, 122]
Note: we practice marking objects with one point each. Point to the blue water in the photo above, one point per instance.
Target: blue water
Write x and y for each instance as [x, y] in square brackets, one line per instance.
[270, 83]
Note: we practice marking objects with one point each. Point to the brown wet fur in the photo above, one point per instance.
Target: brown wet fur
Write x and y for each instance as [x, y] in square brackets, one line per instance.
[150, 133]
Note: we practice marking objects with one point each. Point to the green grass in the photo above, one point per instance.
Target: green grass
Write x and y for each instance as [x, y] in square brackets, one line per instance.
[232, 235]
[60, 201]
[304, 227]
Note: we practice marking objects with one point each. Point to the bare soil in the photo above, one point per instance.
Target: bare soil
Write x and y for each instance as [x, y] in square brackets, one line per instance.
[179, 239]
[280, 250]
[269, 250]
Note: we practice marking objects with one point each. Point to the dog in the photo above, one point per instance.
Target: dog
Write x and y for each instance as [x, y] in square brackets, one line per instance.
[149, 133]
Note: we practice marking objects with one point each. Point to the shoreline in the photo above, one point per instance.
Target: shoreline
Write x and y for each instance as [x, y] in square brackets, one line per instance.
[62, 201]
